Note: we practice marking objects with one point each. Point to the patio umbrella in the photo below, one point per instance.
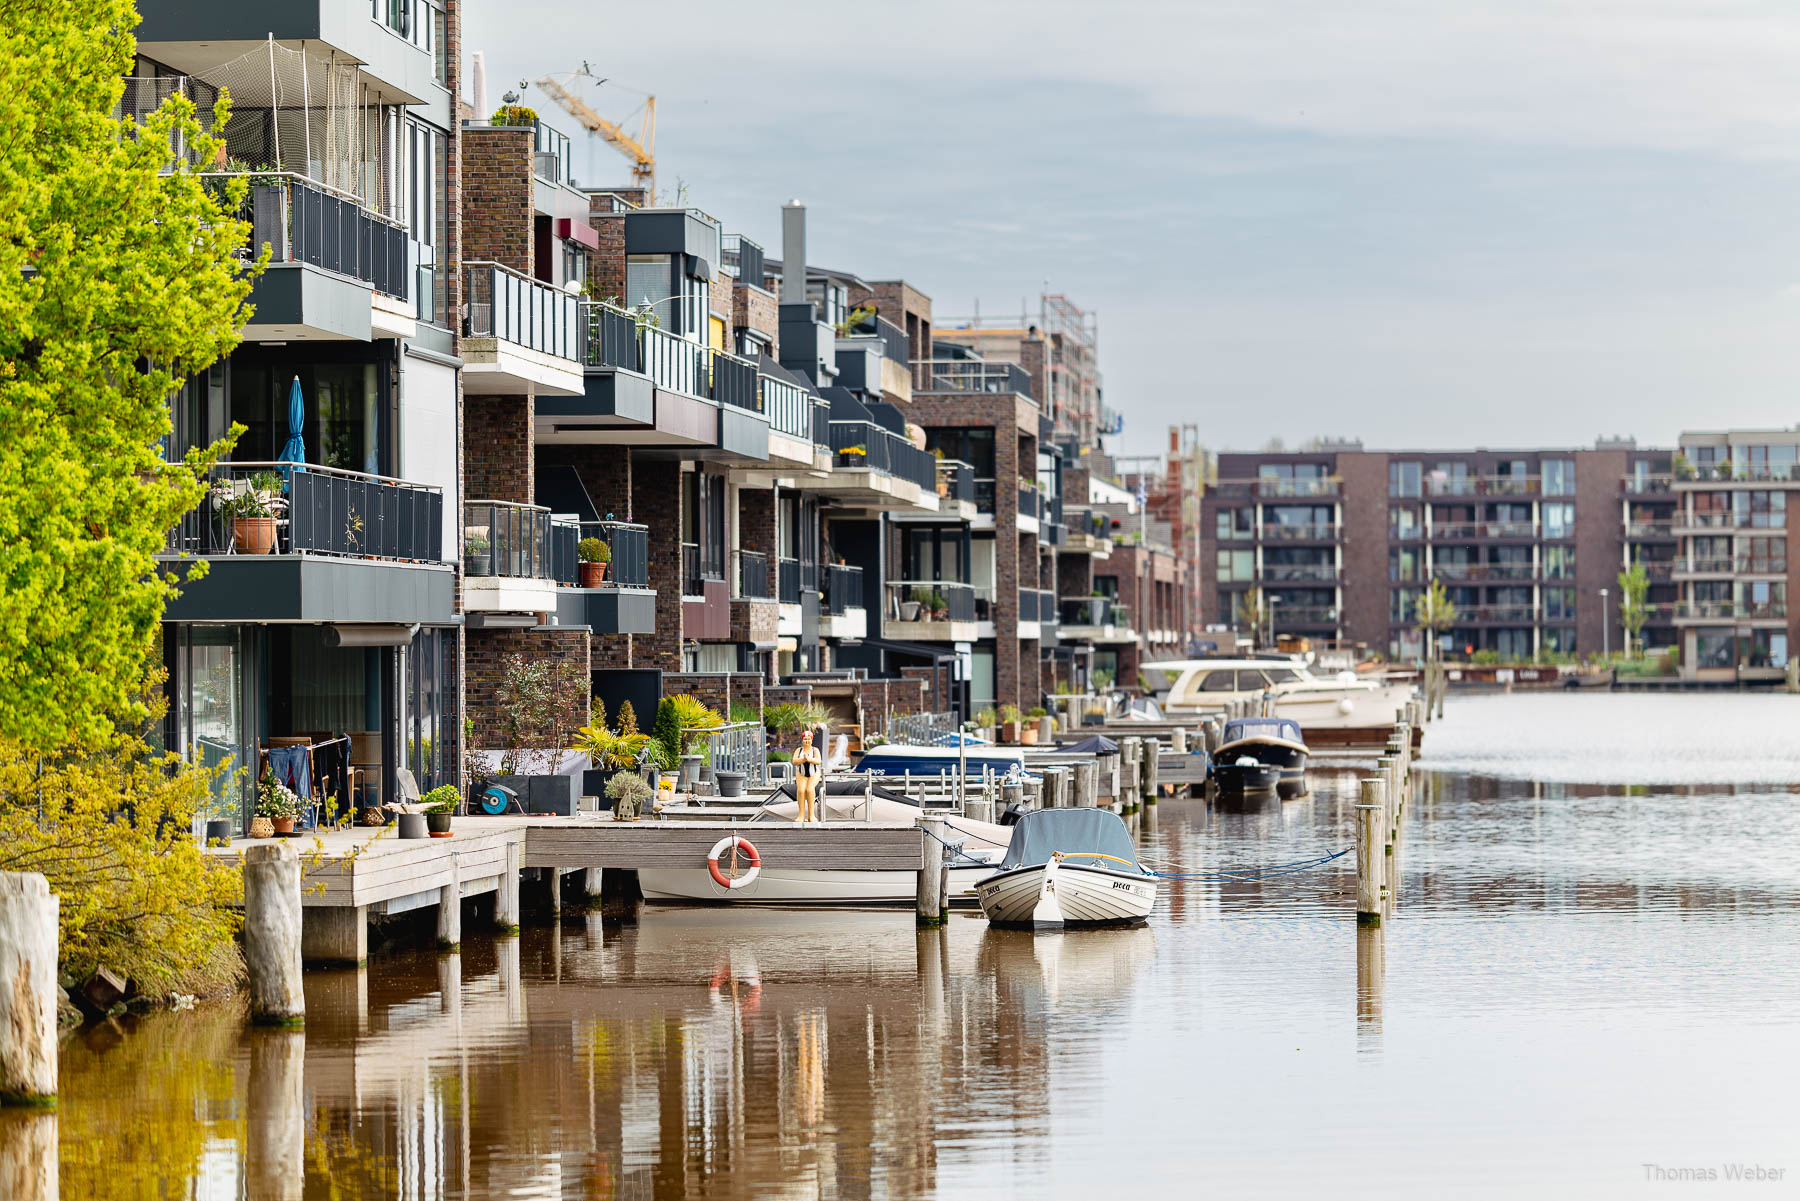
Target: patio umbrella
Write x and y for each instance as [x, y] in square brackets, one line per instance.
[295, 449]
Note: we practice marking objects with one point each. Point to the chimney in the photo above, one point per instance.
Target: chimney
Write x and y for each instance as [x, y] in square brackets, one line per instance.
[793, 253]
[479, 100]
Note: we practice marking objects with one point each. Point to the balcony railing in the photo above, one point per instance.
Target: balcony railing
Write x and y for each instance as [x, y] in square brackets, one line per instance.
[630, 546]
[752, 575]
[858, 444]
[612, 337]
[1705, 564]
[1046, 606]
[1289, 572]
[698, 565]
[1302, 615]
[890, 336]
[970, 375]
[316, 511]
[1517, 614]
[1484, 571]
[550, 153]
[1649, 529]
[956, 480]
[515, 308]
[1271, 485]
[843, 589]
[1092, 611]
[508, 540]
[1028, 604]
[788, 571]
[745, 257]
[1311, 532]
[303, 221]
[1658, 569]
[930, 600]
[984, 494]
[1761, 565]
[1028, 502]
[789, 406]
[1521, 529]
[1642, 485]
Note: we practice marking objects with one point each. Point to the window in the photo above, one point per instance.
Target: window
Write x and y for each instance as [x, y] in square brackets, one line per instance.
[1559, 520]
[1403, 522]
[1559, 562]
[1233, 524]
[648, 282]
[1559, 477]
[1559, 640]
[1219, 681]
[1403, 564]
[1559, 604]
[1403, 479]
[1763, 555]
[1237, 566]
[1715, 648]
[1763, 598]
[1403, 604]
[1761, 510]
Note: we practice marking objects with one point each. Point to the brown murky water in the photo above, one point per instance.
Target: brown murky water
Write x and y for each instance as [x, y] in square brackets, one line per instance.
[1586, 983]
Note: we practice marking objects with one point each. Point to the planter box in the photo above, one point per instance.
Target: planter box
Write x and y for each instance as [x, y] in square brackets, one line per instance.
[552, 794]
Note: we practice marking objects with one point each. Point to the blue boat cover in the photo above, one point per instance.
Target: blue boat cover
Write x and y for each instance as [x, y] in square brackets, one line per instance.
[1262, 727]
[1042, 832]
[1094, 744]
[876, 763]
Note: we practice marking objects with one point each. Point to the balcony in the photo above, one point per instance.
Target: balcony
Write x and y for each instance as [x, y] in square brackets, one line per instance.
[1648, 485]
[337, 271]
[520, 335]
[956, 489]
[1094, 619]
[745, 258]
[644, 386]
[971, 376]
[873, 358]
[877, 468]
[841, 612]
[705, 596]
[1659, 530]
[510, 557]
[755, 615]
[929, 611]
[624, 603]
[1300, 533]
[1089, 533]
[1030, 505]
[1277, 486]
[299, 542]
[1307, 617]
[1484, 571]
[1497, 615]
[790, 410]
[1729, 611]
[1704, 565]
[1288, 573]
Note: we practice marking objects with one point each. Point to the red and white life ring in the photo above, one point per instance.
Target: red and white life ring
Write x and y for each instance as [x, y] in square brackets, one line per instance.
[749, 852]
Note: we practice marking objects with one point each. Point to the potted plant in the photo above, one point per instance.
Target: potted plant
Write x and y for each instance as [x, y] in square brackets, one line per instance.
[477, 556]
[276, 804]
[1009, 723]
[440, 804]
[250, 507]
[853, 456]
[1035, 729]
[594, 555]
[514, 114]
[984, 721]
[940, 608]
[628, 794]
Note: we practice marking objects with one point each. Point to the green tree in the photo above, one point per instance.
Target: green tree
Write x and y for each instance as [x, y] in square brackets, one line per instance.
[1434, 613]
[120, 276]
[1250, 613]
[1634, 611]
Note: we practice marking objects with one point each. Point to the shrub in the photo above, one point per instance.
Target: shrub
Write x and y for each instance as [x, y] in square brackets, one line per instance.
[744, 712]
[1009, 715]
[627, 718]
[442, 799]
[541, 705]
[1036, 711]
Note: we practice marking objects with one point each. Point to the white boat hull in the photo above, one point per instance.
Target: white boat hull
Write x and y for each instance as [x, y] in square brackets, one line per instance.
[786, 886]
[1325, 709]
[1078, 896]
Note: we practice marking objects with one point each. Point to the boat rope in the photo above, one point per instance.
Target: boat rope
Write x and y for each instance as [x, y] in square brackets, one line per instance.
[955, 848]
[1254, 873]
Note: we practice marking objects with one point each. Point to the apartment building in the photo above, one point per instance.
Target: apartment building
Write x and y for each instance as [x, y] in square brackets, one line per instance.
[1338, 544]
[331, 606]
[1726, 503]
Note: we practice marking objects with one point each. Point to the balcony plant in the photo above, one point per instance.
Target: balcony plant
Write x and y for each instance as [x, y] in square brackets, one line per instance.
[939, 606]
[853, 456]
[252, 506]
[478, 558]
[514, 114]
[1009, 723]
[276, 804]
[440, 804]
[594, 555]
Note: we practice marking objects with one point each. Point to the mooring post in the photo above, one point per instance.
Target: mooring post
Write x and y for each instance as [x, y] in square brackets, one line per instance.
[28, 948]
[449, 913]
[506, 896]
[1152, 770]
[931, 900]
[1384, 767]
[275, 1113]
[272, 926]
[592, 878]
[1370, 853]
[1178, 740]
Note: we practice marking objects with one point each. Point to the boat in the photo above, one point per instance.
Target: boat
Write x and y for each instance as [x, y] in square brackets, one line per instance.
[981, 845]
[1068, 867]
[1190, 687]
[945, 757]
[1251, 746]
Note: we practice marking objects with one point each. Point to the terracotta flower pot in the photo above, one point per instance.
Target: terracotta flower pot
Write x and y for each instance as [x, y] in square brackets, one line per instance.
[253, 535]
[592, 574]
[1028, 734]
[1009, 731]
[283, 825]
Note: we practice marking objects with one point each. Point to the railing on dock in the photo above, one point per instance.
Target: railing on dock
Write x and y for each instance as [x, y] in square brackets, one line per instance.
[735, 746]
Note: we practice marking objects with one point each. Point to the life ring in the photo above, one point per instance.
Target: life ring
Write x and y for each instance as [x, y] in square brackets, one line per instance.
[724, 980]
[725, 844]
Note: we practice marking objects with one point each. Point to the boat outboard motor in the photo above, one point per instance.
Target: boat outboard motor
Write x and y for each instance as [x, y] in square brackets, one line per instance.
[1012, 814]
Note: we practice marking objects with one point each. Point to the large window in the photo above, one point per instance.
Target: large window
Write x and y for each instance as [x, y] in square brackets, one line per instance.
[1559, 477]
[1761, 555]
[1774, 462]
[1403, 479]
[1559, 604]
[1559, 520]
[1403, 564]
[650, 282]
[1403, 522]
[1237, 566]
[1403, 605]
[1761, 510]
[1234, 524]
[343, 405]
[1559, 562]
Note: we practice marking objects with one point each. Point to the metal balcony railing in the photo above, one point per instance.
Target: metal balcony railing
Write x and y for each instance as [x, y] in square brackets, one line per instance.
[502, 303]
[1302, 615]
[956, 480]
[734, 746]
[1310, 532]
[613, 337]
[752, 575]
[789, 406]
[1484, 571]
[863, 444]
[303, 221]
[1641, 485]
[312, 510]
[1661, 528]
[1028, 502]
[1028, 604]
[930, 600]
[745, 257]
[889, 336]
[1271, 485]
[630, 546]
[550, 153]
[1705, 564]
[1519, 529]
[1285, 572]
[1046, 606]
[508, 540]
[843, 589]
[970, 375]
[1089, 611]
[789, 572]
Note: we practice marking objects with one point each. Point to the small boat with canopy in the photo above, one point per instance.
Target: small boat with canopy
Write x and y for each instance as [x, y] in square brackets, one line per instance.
[1068, 867]
[1261, 753]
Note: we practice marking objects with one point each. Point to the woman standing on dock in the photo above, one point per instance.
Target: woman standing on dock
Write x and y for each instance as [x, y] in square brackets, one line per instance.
[807, 770]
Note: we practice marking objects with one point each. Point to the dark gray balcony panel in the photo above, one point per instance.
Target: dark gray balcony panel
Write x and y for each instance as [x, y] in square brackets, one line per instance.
[625, 396]
[673, 232]
[304, 588]
[743, 433]
[298, 302]
[608, 610]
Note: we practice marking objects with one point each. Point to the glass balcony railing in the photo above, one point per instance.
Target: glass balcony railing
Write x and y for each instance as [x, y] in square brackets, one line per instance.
[930, 600]
[512, 541]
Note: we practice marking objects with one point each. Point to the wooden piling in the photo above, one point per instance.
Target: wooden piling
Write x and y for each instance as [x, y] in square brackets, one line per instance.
[449, 912]
[275, 1115]
[1384, 767]
[1152, 769]
[506, 896]
[1087, 784]
[28, 940]
[932, 903]
[272, 927]
[1370, 857]
[1212, 731]
[1178, 740]
[594, 877]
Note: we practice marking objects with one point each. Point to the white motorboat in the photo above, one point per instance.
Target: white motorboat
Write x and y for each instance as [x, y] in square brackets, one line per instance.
[1193, 686]
[1068, 867]
[982, 845]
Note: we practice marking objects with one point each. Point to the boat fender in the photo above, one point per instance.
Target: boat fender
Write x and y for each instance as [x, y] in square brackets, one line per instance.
[1346, 706]
[749, 852]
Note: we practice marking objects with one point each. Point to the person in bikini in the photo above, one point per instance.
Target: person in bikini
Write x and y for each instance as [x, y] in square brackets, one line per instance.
[808, 770]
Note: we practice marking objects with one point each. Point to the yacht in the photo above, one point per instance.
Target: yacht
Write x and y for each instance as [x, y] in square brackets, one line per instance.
[1184, 687]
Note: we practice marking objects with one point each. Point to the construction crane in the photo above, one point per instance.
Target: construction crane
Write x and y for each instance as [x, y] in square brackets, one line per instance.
[639, 148]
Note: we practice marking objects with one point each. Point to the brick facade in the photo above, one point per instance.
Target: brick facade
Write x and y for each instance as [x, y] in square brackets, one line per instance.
[498, 218]
[498, 449]
[656, 502]
[486, 653]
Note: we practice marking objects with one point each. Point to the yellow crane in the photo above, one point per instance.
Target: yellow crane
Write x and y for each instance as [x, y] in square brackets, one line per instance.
[639, 147]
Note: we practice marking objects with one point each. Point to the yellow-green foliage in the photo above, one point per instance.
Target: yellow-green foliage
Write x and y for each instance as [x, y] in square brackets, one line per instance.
[119, 278]
[111, 828]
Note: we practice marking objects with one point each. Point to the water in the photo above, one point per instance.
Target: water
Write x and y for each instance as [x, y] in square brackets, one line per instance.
[1584, 979]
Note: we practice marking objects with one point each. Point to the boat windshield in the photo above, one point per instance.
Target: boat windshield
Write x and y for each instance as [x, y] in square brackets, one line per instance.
[1044, 832]
[1262, 727]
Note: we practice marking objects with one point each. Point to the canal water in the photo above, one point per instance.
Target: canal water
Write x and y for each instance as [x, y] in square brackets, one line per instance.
[1593, 976]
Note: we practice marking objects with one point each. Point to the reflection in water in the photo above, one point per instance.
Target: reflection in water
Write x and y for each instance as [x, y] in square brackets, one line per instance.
[1568, 968]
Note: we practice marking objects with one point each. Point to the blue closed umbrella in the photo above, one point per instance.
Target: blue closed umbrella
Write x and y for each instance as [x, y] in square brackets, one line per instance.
[295, 449]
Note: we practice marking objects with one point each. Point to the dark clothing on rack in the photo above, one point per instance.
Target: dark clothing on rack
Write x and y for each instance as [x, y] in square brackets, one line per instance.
[293, 767]
[331, 772]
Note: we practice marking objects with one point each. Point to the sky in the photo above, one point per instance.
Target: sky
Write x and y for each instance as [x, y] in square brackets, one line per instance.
[1451, 223]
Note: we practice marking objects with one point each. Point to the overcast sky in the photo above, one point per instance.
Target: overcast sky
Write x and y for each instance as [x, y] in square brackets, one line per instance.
[1454, 222]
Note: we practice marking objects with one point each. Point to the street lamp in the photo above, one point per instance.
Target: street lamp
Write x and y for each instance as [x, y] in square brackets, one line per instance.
[1605, 628]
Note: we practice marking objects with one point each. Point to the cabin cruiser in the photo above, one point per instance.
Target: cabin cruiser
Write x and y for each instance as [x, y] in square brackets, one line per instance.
[1185, 687]
[1068, 867]
[949, 755]
[1258, 753]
